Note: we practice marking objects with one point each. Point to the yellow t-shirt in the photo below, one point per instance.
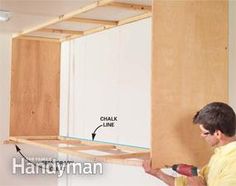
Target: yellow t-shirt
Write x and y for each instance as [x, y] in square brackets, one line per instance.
[221, 169]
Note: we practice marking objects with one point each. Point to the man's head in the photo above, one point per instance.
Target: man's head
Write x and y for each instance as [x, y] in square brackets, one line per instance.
[217, 122]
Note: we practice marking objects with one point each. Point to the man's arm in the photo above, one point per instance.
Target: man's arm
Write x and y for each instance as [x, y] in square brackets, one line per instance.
[195, 181]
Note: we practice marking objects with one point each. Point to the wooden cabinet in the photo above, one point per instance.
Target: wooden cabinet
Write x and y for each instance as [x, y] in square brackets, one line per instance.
[189, 70]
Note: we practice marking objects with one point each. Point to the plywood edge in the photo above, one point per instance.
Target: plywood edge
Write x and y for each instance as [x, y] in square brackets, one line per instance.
[129, 155]
[91, 147]
[34, 137]
[130, 6]
[37, 38]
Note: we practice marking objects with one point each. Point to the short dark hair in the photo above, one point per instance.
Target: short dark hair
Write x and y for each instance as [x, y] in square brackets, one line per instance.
[217, 116]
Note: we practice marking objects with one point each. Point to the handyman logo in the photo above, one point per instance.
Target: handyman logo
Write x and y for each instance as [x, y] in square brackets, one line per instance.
[54, 167]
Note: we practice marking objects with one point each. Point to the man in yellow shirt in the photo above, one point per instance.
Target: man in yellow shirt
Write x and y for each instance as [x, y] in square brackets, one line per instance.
[217, 122]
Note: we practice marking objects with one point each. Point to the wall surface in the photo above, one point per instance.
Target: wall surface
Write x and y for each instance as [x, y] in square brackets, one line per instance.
[5, 76]
[108, 75]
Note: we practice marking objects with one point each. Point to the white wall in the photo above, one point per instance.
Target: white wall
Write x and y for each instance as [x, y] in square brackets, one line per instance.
[108, 74]
[5, 70]
[232, 53]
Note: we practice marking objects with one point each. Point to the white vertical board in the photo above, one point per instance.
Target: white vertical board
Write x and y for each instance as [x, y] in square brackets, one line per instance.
[109, 75]
[5, 77]
[64, 88]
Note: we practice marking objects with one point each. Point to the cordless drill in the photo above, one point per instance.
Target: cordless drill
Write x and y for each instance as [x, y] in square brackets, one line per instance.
[184, 169]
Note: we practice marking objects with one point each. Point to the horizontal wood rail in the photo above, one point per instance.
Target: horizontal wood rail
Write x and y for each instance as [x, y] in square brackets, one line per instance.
[119, 154]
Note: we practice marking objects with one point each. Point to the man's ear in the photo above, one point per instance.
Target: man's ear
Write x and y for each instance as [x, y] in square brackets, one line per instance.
[218, 134]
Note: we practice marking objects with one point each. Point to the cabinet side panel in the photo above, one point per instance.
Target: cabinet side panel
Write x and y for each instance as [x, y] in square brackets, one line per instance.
[35, 88]
[189, 70]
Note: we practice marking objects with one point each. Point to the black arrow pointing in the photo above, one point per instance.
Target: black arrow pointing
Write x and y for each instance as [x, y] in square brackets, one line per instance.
[19, 151]
[94, 133]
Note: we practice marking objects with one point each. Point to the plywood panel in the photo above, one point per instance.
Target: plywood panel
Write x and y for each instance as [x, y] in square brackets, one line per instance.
[35, 88]
[189, 70]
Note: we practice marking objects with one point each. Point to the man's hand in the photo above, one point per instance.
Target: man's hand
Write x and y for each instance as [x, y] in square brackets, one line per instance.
[147, 165]
[195, 181]
[169, 180]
